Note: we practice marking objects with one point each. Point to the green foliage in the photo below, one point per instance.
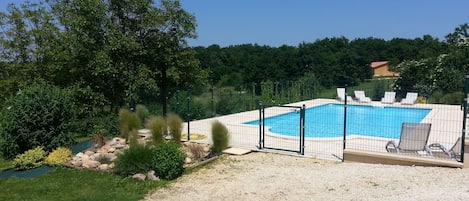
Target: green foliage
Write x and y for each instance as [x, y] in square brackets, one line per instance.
[220, 137]
[72, 184]
[174, 126]
[455, 98]
[37, 116]
[128, 121]
[168, 160]
[157, 126]
[30, 159]
[136, 159]
[226, 101]
[378, 90]
[142, 112]
[58, 156]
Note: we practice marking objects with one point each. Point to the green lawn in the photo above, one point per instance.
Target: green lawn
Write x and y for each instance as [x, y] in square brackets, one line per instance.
[68, 184]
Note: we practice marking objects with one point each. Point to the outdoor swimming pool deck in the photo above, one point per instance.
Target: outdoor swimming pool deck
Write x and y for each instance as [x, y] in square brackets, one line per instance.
[446, 123]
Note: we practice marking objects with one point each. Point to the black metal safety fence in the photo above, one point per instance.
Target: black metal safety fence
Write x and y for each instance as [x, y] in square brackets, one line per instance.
[291, 123]
[375, 119]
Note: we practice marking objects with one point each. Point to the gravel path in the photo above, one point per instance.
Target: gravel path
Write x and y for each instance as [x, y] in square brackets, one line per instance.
[267, 176]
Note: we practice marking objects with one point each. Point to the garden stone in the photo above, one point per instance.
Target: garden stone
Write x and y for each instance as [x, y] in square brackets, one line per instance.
[111, 156]
[206, 149]
[90, 164]
[151, 176]
[76, 163]
[111, 150]
[103, 167]
[89, 153]
[95, 156]
[139, 177]
[80, 154]
[188, 160]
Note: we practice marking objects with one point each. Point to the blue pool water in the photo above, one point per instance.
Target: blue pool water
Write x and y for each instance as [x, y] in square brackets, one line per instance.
[328, 121]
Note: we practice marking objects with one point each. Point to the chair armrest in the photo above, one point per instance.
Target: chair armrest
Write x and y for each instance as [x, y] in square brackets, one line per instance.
[433, 146]
[394, 145]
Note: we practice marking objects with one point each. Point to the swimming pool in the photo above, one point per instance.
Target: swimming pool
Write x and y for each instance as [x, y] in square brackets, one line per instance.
[328, 121]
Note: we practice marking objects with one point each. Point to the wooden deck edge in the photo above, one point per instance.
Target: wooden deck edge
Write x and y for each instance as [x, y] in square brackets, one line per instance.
[395, 159]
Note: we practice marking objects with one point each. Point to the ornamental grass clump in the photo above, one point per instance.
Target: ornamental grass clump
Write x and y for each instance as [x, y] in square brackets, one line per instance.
[175, 127]
[58, 156]
[30, 159]
[157, 126]
[128, 121]
[142, 112]
[220, 137]
[136, 159]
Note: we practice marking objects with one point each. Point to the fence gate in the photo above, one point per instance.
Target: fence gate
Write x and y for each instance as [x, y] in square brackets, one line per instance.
[282, 128]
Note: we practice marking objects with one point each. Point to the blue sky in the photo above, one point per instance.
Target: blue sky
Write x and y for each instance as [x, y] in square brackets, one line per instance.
[291, 22]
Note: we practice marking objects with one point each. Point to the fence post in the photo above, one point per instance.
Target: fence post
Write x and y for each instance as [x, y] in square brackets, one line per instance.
[302, 135]
[212, 100]
[345, 121]
[464, 121]
[261, 110]
[188, 115]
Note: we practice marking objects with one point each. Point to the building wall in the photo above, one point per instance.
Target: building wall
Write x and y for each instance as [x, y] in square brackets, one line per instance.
[383, 71]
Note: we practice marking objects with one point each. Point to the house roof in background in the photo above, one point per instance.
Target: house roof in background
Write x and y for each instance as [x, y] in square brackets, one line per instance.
[377, 64]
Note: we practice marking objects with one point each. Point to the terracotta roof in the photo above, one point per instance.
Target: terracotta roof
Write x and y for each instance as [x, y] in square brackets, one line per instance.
[377, 64]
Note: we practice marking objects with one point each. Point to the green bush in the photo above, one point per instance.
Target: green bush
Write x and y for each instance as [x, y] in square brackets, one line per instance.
[142, 112]
[136, 159]
[168, 160]
[59, 156]
[37, 116]
[175, 127]
[128, 121]
[30, 159]
[220, 137]
[454, 98]
[157, 126]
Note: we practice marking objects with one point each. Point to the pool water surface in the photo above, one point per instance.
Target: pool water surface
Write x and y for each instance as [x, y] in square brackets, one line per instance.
[328, 121]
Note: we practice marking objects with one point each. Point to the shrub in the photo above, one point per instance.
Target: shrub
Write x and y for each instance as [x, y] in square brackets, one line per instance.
[59, 156]
[142, 112]
[135, 159]
[37, 116]
[454, 98]
[128, 121]
[99, 139]
[175, 127]
[157, 126]
[30, 159]
[220, 137]
[168, 160]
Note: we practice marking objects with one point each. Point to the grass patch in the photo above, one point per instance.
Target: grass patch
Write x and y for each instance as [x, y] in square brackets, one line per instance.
[68, 184]
[5, 164]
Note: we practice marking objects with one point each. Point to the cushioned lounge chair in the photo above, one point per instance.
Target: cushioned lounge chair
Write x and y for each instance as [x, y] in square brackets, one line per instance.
[453, 152]
[410, 98]
[389, 97]
[361, 97]
[341, 95]
[414, 137]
